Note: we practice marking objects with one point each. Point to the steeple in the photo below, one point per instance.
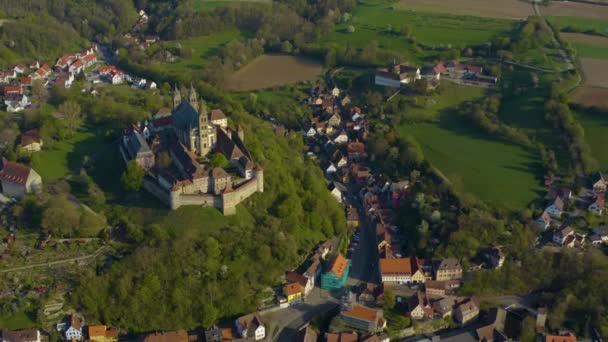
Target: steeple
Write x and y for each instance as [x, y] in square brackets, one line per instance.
[193, 98]
[177, 97]
[203, 130]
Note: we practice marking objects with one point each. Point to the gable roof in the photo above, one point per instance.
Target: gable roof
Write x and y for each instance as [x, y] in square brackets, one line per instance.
[395, 266]
[468, 305]
[361, 312]
[252, 320]
[294, 277]
[564, 338]
[218, 172]
[97, 330]
[558, 203]
[292, 288]
[14, 173]
[30, 137]
[229, 143]
[217, 114]
[338, 265]
[449, 264]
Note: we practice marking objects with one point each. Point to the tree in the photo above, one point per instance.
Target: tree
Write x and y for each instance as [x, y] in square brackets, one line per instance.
[350, 29]
[39, 92]
[60, 217]
[528, 329]
[133, 177]
[389, 299]
[72, 115]
[219, 160]
[286, 47]
[406, 31]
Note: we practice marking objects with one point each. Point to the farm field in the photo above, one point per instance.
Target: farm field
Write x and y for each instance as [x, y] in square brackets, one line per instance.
[494, 171]
[596, 126]
[587, 45]
[511, 9]
[371, 22]
[203, 4]
[273, 70]
[580, 24]
[591, 97]
[596, 72]
[575, 9]
[202, 48]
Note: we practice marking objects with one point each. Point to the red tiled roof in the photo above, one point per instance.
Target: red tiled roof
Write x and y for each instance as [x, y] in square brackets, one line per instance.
[395, 266]
[89, 57]
[292, 289]
[565, 338]
[30, 137]
[14, 173]
[25, 80]
[356, 147]
[361, 312]
[338, 265]
[11, 90]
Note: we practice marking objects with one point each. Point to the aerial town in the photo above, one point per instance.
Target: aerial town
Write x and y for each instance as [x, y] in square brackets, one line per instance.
[351, 171]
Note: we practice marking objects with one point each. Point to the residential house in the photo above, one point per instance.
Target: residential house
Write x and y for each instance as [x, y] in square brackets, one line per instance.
[363, 318]
[466, 311]
[541, 319]
[25, 335]
[420, 306]
[19, 68]
[341, 138]
[569, 337]
[331, 169]
[116, 77]
[396, 271]
[493, 330]
[136, 148]
[600, 183]
[356, 151]
[74, 330]
[544, 220]
[431, 73]
[421, 270]
[307, 334]
[25, 81]
[100, 333]
[31, 141]
[443, 307]
[448, 269]
[294, 292]
[89, 59]
[65, 80]
[335, 92]
[76, 68]
[251, 326]
[441, 288]
[599, 204]
[334, 120]
[18, 180]
[397, 76]
[16, 103]
[305, 282]
[564, 236]
[336, 274]
[310, 131]
[342, 337]
[218, 118]
[337, 190]
[42, 72]
[169, 336]
[556, 208]
[601, 233]
[12, 90]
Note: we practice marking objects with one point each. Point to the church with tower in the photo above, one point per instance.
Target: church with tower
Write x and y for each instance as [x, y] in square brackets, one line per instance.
[190, 134]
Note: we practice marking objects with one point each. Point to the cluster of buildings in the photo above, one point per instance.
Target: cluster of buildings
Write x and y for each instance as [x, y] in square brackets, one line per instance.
[561, 201]
[403, 75]
[190, 134]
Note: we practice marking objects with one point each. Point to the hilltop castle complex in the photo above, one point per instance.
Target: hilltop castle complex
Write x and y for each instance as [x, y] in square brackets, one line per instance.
[173, 149]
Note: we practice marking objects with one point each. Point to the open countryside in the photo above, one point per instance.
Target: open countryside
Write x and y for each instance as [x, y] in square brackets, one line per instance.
[591, 97]
[202, 48]
[575, 9]
[596, 72]
[595, 125]
[511, 9]
[587, 45]
[203, 4]
[273, 70]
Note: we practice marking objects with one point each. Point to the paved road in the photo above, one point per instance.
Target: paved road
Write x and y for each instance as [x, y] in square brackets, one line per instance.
[54, 263]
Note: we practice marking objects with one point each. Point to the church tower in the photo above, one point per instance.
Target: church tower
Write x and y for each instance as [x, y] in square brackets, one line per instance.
[203, 130]
[177, 97]
[193, 98]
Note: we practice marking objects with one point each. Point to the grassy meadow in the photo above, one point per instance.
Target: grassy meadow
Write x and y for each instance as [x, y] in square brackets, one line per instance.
[451, 96]
[596, 126]
[206, 4]
[371, 22]
[202, 48]
[587, 50]
[580, 24]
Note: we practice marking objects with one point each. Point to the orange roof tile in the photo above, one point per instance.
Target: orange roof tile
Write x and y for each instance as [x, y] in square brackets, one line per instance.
[338, 265]
[361, 312]
[97, 330]
[396, 266]
[565, 338]
[292, 289]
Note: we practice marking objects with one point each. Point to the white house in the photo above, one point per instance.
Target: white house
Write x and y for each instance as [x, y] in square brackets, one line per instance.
[337, 190]
[341, 138]
[544, 220]
[335, 92]
[330, 169]
[218, 118]
[556, 208]
[251, 326]
[74, 332]
[17, 103]
[311, 132]
[116, 77]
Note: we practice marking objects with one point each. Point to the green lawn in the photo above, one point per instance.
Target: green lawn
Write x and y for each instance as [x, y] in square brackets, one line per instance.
[59, 159]
[580, 24]
[499, 173]
[202, 48]
[544, 57]
[590, 50]
[18, 320]
[451, 96]
[371, 22]
[596, 135]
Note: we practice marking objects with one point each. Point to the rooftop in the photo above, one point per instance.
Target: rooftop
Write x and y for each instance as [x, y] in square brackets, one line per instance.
[338, 265]
[361, 312]
[396, 266]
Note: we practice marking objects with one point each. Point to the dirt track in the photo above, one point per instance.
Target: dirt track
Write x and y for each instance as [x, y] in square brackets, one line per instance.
[512, 9]
[273, 70]
[575, 9]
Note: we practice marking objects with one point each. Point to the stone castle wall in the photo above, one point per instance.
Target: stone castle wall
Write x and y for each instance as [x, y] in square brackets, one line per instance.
[232, 199]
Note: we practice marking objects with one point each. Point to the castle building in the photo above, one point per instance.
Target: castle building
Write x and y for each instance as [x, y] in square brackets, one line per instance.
[187, 136]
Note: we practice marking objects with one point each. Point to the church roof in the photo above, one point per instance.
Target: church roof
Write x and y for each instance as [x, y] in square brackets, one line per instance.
[185, 116]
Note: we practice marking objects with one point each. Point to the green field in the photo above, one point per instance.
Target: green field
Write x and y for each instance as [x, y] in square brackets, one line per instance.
[18, 320]
[580, 24]
[499, 173]
[371, 22]
[596, 128]
[590, 50]
[202, 48]
[204, 4]
[431, 107]
[61, 158]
